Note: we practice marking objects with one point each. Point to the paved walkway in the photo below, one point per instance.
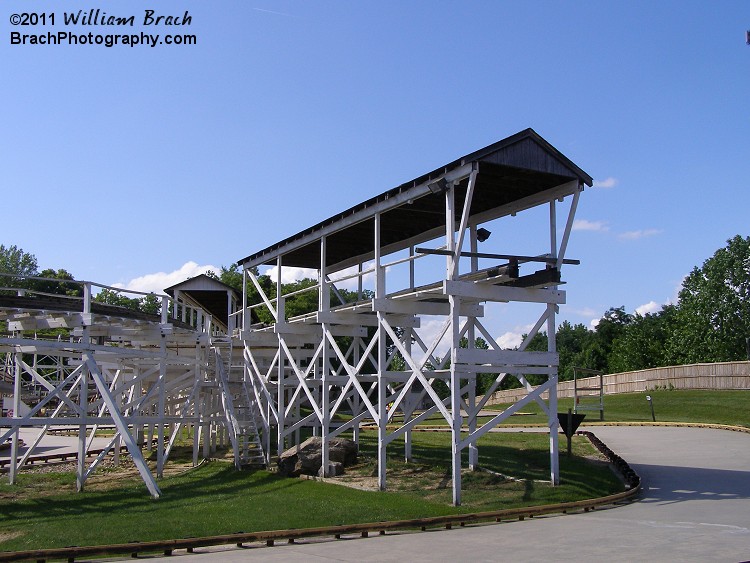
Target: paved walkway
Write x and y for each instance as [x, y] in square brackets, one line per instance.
[52, 443]
[695, 506]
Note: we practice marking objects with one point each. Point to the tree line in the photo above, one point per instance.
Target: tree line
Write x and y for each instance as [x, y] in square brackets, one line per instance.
[24, 266]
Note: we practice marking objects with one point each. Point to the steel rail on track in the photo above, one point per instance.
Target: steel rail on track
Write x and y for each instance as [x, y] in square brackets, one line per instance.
[167, 547]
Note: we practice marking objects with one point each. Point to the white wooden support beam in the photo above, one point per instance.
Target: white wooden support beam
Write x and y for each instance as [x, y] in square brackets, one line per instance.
[50, 388]
[405, 306]
[455, 387]
[324, 290]
[325, 423]
[450, 232]
[568, 226]
[365, 320]
[15, 444]
[83, 402]
[466, 213]
[553, 420]
[416, 370]
[502, 293]
[517, 206]
[553, 228]
[300, 375]
[382, 406]
[263, 296]
[471, 400]
[533, 395]
[160, 408]
[473, 248]
[479, 357]
[409, 405]
[309, 331]
[379, 270]
[122, 426]
[43, 431]
[353, 372]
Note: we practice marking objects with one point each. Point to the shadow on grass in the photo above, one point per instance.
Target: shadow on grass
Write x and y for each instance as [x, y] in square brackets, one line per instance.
[218, 483]
[523, 457]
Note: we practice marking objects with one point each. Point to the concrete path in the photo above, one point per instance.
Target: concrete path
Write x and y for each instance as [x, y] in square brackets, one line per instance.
[52, 443]
[695, 506]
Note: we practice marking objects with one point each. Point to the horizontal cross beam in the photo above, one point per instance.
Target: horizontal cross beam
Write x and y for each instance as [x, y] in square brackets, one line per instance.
[510, 257]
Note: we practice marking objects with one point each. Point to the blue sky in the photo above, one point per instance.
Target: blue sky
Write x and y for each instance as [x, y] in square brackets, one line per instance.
[146, 164]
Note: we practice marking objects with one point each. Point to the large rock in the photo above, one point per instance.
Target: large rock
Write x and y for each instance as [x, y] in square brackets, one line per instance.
[306, 459]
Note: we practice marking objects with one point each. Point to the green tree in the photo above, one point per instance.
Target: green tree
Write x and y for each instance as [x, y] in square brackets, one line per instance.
[14, 260]
[229, 275]
[538, 344]
[611, 326]
[642, 345]
[66, 285]
[150, 304]
[572, 342]
[713, 311]
[110, 297]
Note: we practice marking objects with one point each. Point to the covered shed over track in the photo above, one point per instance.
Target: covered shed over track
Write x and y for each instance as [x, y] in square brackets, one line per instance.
[342, 357]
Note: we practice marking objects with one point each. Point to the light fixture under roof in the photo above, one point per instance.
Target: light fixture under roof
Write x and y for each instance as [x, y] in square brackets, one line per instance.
[439, 186]
[483, 234]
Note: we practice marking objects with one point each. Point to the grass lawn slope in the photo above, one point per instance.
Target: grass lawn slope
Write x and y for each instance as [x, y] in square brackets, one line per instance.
[44, 511]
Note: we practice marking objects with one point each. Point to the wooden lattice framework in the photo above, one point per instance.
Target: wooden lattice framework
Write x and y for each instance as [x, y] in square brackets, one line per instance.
[144, 378]
[369, 357]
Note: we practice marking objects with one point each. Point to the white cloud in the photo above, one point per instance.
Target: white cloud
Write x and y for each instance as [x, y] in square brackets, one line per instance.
[585, 312]
[514, 337]
[593, 323]
[586, 225]
[676, 295]
[429, 329]
[509, 340]
[290, 274]
[650, 307]
[639, 234]
[352, 283]
[160, 280]
[609, 182]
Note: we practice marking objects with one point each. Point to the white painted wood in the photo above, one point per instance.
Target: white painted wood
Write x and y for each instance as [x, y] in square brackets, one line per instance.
[502, 293]
[505, 357]
[122, 427]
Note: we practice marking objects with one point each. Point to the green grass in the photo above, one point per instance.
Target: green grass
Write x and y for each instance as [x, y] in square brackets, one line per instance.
[520, 459]
[677, 405]
[213, 499]
[44, 512]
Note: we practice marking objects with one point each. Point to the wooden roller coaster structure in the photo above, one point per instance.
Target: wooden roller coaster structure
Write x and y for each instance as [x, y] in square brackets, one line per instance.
[402, 351]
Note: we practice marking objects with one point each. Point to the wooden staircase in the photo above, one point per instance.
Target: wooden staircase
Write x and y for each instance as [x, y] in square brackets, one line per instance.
[240, 408]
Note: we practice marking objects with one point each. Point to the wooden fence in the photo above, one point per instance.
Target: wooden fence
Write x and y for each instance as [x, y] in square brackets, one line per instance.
[725, 375]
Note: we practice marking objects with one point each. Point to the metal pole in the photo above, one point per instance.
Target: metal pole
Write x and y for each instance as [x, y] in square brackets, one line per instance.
[651, 404]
